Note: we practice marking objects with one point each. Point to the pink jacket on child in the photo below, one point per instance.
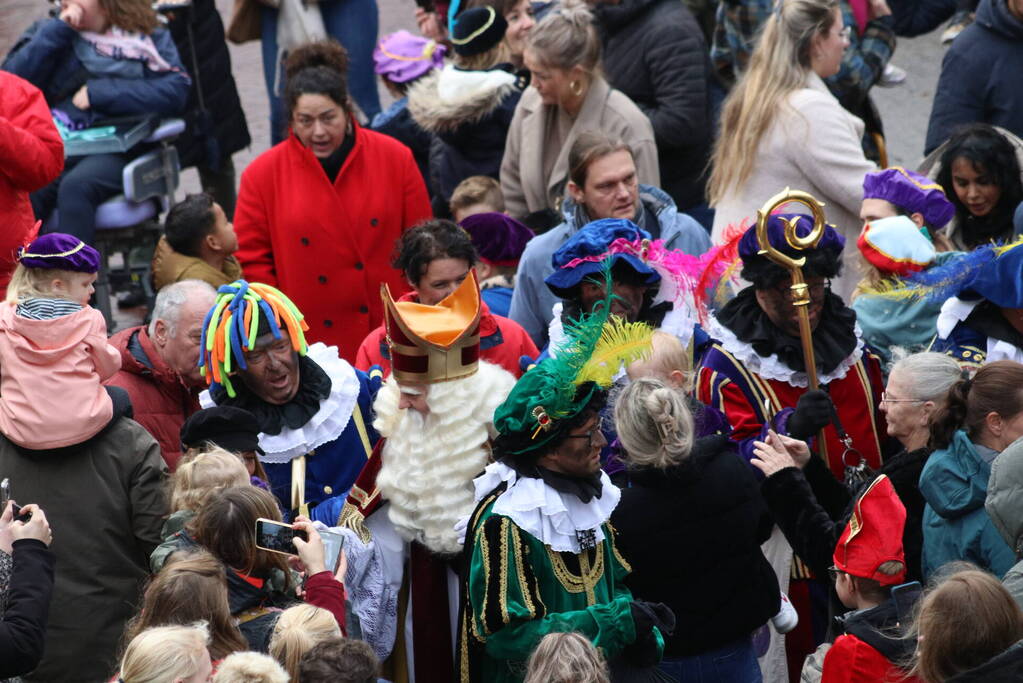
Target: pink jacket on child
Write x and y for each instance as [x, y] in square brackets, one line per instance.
[50, 378]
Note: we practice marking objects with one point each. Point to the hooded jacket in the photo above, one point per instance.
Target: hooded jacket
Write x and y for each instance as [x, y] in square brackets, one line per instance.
[533, 302]
[1004, 506]
[161, 401]
[956, 526]
[655, 53]
[51, 377]
[870, 649]
[170, 266]
[980, 76]
[468, 112]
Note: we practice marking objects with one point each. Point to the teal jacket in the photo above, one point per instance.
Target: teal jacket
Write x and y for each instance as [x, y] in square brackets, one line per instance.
[956, 525]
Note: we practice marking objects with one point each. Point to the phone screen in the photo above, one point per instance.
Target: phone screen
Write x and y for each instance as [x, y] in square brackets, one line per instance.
[905, 597]
[5, 493]
[277, 537]
[332, 544]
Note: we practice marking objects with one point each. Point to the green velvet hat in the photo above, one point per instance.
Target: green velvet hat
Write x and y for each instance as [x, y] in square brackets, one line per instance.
[561, 386]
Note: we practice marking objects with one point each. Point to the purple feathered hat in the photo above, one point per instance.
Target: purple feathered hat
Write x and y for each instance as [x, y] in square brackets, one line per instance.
[911, 192]
[499, 239]
[59, 251]
[402, 57]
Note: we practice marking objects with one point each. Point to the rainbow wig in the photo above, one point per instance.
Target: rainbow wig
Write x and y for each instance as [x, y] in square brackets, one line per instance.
[232, 326]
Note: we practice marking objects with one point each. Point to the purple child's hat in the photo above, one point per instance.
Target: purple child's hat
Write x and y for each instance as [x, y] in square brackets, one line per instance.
[499, 239]
[401, 57]
[911, 192]
[59, 251]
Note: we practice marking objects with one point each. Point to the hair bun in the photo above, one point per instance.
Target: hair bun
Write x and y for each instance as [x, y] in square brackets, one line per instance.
[576, 13]
[327, 53]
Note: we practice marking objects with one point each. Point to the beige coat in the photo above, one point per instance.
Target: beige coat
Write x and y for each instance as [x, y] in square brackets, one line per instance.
[522, 178]
[813, 146]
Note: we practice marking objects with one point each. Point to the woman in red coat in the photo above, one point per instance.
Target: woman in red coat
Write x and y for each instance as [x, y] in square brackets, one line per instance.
[31, 157]
[318, 214]
[435, 258]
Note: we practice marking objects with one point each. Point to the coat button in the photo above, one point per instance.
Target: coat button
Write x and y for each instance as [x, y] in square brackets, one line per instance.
[322, 279]
[305, 241]
[363, 309]
[358, 265]
[373, 222]
[328, 323]
[328, 490]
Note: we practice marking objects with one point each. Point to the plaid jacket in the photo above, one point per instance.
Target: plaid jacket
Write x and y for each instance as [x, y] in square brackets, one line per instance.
[739, 21]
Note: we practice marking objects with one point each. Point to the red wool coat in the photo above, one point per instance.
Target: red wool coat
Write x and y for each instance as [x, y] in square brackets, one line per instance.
[850, 660]
[328, 246]
[502, 342]
[31, 157]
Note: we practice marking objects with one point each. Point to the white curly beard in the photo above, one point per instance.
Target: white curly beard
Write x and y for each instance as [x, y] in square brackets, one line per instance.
[429, 462]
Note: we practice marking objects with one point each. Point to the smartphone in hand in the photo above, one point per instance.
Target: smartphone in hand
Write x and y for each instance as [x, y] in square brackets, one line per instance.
[277, 537]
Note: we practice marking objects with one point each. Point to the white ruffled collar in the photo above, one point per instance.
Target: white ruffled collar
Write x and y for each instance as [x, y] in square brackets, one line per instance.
[955, 310]
[550, 516]
[326, 424]
[771, 367]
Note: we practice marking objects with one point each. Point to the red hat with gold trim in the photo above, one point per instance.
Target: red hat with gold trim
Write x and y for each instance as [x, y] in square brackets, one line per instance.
[434, 343]
[873, 535]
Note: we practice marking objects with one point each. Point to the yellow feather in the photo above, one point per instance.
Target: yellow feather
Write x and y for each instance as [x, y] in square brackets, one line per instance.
[620, 342]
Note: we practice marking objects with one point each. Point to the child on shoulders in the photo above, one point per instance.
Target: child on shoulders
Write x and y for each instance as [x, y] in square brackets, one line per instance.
[54, 353]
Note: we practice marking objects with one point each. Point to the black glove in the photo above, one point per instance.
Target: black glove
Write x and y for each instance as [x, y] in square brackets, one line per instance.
[813, 413]
[645, 616]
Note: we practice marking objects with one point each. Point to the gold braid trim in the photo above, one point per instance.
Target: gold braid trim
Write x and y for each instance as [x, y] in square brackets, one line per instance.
[351, 518]
[503, 576]
[521, 573]
[614, 549]
[571, 582]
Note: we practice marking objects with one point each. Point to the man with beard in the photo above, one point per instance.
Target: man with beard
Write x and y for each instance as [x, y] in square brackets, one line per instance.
[540, 555]
[313, 408]
[754, 373]
[435, 414]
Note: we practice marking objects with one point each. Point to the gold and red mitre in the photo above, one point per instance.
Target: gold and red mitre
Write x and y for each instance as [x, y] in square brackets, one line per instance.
[434, 343]
[873, 535]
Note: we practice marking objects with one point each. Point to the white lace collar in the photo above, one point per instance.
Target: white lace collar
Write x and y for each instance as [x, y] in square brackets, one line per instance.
[550, 516]
[771, 367]
[326, 424]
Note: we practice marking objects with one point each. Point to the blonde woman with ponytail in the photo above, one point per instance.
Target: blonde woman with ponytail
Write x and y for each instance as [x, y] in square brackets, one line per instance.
[567, 96]
[781, 126]
[691, 524]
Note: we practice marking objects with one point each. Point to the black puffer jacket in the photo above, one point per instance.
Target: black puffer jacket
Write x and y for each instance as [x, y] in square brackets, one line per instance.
[692, 534]
[655, 53]
[224, 117]
[1008, 666]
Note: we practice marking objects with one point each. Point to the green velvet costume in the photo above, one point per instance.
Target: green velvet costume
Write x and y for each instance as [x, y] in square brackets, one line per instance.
[519, 590]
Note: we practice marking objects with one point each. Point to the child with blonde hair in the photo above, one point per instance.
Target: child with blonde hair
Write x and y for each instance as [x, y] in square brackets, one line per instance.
[168, 654]
[566, 658]
[198, 476]
[54, 349]
[250, 667]
[298, 629]
[669, 362]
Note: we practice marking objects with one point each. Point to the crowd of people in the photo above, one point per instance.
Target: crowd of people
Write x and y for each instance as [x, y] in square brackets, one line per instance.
[610, 350]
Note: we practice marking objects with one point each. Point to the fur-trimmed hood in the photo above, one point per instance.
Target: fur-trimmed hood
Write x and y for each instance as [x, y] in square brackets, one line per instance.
[446, 100]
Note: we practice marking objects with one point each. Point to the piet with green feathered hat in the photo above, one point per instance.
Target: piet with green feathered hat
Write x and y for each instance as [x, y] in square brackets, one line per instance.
[306, 399]
[541, 556]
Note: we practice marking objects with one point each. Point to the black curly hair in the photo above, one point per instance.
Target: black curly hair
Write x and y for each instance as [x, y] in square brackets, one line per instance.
[428, 241]
[985, 148]
[319, 68]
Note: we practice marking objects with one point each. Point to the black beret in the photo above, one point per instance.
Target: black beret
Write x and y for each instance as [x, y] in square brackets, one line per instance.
[477, 30]
[233, 429]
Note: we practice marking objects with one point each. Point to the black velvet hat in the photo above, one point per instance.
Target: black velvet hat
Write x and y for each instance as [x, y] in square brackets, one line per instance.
[477, 30]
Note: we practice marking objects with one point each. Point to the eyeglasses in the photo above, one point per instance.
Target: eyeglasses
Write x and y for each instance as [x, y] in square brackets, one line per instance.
[588, 435]
[834, 572]
[885, 398]
[816, 289]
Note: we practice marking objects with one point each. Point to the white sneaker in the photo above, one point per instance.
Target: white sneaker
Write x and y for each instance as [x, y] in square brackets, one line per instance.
[892, 76]
[786, 619]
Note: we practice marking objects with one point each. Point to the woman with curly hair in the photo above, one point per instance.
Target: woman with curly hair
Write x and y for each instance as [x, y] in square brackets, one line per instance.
[318, 214]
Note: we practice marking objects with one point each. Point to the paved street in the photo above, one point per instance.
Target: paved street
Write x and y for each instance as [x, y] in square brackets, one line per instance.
[904, 108]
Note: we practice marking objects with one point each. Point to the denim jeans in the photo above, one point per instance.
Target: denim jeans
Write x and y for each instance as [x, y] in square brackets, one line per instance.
[732, 663]
[355, 24]
[85, 183]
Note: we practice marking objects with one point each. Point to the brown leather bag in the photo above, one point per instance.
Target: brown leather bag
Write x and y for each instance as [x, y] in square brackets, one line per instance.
[246, 22]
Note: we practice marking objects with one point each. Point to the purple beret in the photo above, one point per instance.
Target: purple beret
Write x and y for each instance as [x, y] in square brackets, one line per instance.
[498, 238]
[402, 57]
[910, 192]
[60, 252]
[749, 246]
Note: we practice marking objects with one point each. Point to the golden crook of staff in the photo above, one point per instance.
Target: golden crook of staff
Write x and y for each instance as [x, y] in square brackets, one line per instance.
[800, 290]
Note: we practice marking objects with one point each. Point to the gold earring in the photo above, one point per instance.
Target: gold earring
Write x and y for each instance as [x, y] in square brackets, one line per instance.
[576, 87]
